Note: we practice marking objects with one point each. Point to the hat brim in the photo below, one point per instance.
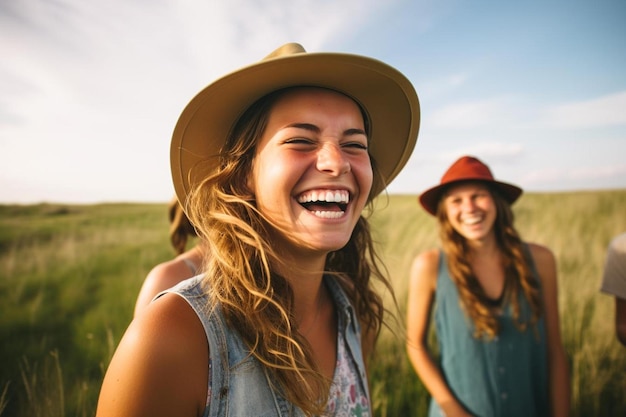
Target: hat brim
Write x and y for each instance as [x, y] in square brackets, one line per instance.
[386, 95]
[429, 199]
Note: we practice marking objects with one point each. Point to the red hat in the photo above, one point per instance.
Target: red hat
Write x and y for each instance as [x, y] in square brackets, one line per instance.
[464, 169]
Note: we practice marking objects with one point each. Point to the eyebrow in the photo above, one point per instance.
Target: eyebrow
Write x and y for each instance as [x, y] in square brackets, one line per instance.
[313, 128]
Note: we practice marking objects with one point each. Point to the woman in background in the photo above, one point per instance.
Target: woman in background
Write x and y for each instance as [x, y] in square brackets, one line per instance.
[494, 300]
[185, 265]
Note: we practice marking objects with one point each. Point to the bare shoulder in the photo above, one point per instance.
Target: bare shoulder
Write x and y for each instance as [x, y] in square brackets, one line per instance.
[541, 254]
[160, 365]
[617, 246]
[545, 262]
[171, 314]
[168, 274]
[163, 276]
[174, 330]
[427, 260]
[424, 269]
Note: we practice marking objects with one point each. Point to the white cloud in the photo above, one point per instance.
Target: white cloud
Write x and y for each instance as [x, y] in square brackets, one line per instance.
[90, 91]
[488, 150]
[473, 114]
[609, 110]
[598, 172]
[441, 86]
[602, 176]
[523, 112]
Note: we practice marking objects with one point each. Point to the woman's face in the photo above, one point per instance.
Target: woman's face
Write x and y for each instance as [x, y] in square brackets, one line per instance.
[312, 173]
[470, 209]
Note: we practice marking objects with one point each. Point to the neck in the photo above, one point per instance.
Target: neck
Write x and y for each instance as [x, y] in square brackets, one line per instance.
[301, 268]
[308, 305]
[305, 276]
[484, 247]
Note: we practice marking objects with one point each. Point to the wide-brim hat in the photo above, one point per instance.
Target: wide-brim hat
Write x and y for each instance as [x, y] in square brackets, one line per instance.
[385, 95]
[467, 168]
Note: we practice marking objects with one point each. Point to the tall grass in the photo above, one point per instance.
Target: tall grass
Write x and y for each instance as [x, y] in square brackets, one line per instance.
[69, 276]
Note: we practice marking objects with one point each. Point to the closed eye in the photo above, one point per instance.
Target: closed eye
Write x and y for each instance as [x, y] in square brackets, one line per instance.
[299, 141]
[355, 145]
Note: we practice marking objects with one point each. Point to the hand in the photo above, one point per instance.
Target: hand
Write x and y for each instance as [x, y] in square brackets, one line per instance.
[453, 409]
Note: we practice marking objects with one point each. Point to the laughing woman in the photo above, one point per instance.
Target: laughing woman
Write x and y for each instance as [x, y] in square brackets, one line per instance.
[274, 164]
[494, 299]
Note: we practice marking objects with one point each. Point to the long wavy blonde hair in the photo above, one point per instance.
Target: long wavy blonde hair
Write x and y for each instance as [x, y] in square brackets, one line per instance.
[240, 271]
[519, 278]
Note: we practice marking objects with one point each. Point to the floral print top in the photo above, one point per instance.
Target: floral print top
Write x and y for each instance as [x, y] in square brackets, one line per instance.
[346, 397]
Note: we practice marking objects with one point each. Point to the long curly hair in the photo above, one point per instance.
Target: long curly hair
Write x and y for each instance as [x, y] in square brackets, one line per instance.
[240, 272]
[519, 278]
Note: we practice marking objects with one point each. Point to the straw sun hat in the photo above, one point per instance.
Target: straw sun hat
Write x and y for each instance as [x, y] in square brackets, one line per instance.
[466, 168]
[387, 97]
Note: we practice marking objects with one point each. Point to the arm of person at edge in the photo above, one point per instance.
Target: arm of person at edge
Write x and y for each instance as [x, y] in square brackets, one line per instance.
[160, 367]
[557, 360]
[423, 282]
[620, 320]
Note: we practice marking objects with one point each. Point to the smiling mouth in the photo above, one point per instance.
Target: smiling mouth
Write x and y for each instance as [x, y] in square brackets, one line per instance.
[472, 220]
[328, 204]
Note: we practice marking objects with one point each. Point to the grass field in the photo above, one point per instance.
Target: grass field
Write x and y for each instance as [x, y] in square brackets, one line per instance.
[69, 276]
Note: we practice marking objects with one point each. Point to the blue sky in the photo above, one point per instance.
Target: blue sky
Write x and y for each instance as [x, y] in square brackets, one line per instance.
[90, 91]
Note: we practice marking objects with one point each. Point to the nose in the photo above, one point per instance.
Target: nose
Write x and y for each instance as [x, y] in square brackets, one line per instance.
[468, 204]
[331, 159]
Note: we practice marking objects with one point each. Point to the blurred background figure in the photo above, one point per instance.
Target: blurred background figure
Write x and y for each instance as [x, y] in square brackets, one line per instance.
[185, 265]
[614, 282]
[494, 302]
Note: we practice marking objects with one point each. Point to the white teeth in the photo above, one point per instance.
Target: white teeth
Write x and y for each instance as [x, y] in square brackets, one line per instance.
[329, 214]
[328, 196]
[472, 220]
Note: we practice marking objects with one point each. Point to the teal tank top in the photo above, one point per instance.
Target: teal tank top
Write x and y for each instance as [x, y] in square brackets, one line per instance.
[505, 376]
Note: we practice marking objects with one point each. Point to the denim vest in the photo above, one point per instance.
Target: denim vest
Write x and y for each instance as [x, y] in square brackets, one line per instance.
[239, 385]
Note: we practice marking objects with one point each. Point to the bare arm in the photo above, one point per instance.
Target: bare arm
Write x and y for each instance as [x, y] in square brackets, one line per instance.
[423, 281]
[557, 361]
[160, 367]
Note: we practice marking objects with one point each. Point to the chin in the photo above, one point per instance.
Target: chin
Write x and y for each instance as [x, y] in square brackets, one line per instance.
[330, 246]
